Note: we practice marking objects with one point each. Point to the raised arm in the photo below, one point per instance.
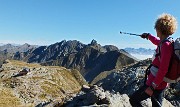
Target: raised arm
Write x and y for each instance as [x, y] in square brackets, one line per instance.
[153, 39]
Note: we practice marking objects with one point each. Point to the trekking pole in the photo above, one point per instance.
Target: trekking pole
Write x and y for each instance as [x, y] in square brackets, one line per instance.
[129, 33]
[156, 101]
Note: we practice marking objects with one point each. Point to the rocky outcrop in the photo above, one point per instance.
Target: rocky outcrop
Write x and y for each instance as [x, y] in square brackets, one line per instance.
[130, 78]
[124, 81]
[95, 96]
[40, 86]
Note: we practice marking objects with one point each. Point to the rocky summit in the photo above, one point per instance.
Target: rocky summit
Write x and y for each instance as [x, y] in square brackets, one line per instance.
[39, 86]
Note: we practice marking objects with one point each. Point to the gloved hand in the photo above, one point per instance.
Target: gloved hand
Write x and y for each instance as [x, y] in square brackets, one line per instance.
[145, 35]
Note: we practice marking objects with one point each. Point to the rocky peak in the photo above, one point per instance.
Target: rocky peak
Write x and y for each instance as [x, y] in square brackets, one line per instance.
[93, 42]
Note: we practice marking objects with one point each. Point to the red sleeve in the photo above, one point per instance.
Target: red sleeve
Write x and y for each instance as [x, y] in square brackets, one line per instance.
[154, 40]
[166, 52]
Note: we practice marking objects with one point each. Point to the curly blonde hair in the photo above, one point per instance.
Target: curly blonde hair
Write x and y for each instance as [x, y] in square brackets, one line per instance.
[166, 24]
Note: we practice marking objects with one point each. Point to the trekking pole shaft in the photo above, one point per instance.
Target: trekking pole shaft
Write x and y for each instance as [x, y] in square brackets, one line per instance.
[130, 33]
[156, 101]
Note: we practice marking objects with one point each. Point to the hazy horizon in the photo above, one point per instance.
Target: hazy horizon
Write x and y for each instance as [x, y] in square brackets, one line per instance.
[22, 43]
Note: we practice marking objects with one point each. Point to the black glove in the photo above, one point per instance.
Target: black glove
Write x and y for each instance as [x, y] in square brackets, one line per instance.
[145, 35]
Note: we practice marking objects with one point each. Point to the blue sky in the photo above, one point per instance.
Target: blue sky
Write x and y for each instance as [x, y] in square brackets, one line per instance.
[44, 22]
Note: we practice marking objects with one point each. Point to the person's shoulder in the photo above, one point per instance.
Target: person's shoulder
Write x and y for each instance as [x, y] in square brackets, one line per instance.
[167, 44]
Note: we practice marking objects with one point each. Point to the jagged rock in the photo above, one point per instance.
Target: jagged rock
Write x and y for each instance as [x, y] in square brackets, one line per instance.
[1, 69]
[85, 88]
[97, 97]
[93, 42]
[43, 104]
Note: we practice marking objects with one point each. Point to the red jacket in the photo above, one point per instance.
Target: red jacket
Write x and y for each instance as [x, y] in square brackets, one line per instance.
[162, 64]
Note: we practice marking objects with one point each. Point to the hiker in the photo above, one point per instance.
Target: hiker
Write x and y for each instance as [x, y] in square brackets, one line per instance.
[154, 87]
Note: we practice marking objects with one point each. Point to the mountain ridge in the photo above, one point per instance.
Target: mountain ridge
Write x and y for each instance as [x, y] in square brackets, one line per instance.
[90, 59]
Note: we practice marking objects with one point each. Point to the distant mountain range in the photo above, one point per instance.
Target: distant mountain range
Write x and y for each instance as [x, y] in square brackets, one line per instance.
[12, 48]
[8, 50]
[141, 51]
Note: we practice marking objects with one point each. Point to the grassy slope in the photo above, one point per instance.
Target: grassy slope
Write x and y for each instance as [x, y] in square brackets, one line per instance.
[41, 84]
